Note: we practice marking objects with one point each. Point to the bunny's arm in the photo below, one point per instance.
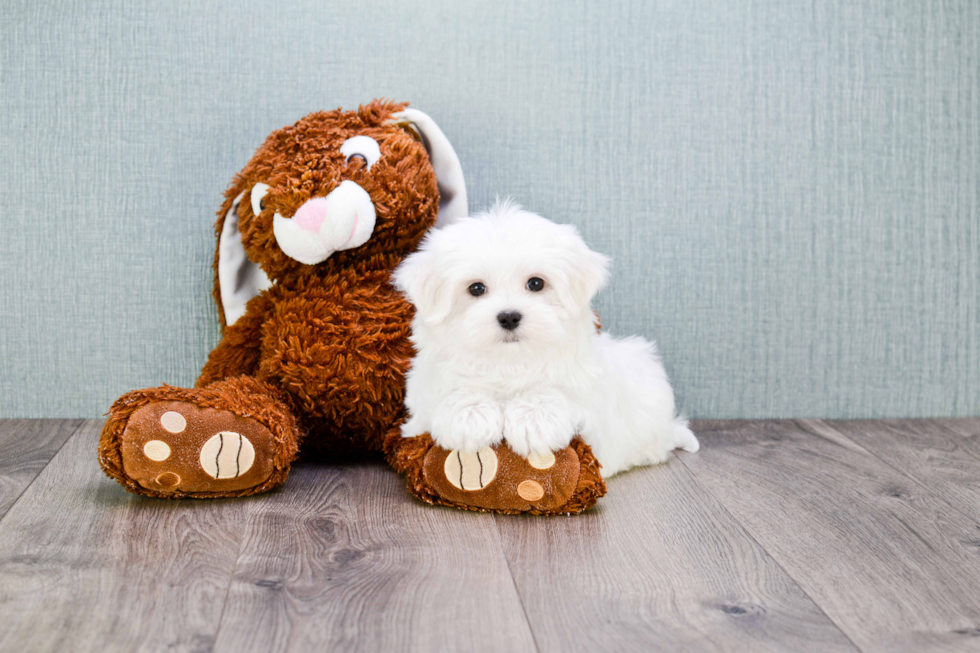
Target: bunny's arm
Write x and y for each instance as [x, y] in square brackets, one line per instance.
[239, 351]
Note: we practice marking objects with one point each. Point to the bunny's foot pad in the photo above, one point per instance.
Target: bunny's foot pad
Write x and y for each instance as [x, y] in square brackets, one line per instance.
[201, 443]
[496, 479]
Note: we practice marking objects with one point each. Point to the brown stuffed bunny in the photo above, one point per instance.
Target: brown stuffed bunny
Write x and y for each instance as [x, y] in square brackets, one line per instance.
[315, 342]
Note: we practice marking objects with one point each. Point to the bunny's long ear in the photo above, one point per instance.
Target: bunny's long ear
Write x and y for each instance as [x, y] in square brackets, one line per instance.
[237, 278]
[442, 156]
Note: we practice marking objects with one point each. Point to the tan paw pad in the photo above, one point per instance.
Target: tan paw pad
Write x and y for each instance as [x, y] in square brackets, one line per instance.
[168, 479]
[530, 490]
[227, 455]
[173, 422]
[471, 471]
[157, 450]
[539, 461]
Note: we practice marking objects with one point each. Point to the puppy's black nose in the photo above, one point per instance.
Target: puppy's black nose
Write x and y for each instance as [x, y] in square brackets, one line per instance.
[509, 319]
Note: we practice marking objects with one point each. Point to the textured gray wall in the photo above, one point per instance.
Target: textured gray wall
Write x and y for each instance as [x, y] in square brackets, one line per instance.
[789, 190]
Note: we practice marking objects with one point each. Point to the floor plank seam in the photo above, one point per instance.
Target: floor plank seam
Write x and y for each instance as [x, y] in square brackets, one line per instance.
[80, 423]
[954, 434]
[902, 472]
[513, 581]
[769, 553]
[231, 581]
[943, 423]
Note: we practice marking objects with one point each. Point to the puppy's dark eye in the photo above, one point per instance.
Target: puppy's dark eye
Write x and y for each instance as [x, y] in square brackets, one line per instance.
[477, 289]
[534, 284]
[354, 156]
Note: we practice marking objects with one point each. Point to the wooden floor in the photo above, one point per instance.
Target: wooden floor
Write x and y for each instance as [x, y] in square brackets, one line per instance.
[777, 536]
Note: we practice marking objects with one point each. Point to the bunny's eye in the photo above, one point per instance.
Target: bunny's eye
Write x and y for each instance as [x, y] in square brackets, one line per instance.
[364, 148]
[259, 192]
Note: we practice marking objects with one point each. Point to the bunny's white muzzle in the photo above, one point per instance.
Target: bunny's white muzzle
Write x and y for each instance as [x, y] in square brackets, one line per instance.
[344, 219]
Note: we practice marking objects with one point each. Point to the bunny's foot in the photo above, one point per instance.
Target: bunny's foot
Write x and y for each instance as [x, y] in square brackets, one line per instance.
[496, 479]
[232, 438]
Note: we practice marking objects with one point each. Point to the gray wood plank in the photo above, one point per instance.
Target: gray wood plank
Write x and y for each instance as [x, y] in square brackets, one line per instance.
[889, 561]
[940, 460]
[84, 566]
[966, 426]
[26, 446]
[658, 565]
[344, 559]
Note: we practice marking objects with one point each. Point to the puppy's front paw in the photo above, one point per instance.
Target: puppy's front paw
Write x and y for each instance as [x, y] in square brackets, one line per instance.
[468, 426]
[537, 426]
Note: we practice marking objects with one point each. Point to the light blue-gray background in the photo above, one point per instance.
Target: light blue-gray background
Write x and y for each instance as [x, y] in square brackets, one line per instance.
[789, 189]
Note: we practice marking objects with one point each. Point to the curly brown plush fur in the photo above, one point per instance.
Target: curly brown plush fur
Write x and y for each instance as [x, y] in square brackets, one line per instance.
[327, 345]
[334, 335]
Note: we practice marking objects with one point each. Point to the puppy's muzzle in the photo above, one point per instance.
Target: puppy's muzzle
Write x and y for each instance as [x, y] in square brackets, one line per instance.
[509, 320]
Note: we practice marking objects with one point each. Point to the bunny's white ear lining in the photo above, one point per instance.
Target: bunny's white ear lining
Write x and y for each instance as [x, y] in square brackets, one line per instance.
[239, 278]
[445, 163]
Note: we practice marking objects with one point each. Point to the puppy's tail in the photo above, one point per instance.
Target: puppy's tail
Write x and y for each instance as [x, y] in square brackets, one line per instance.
[684, 438]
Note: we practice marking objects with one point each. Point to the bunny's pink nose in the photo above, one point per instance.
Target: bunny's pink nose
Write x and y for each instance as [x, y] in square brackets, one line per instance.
[312, 214]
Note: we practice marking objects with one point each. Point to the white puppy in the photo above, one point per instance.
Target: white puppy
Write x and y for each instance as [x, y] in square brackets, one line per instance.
[508, 349]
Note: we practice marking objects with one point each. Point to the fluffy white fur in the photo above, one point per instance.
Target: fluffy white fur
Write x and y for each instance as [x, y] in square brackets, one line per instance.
[473, 383]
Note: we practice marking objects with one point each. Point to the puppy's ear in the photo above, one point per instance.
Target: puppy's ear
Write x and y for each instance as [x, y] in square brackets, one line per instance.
[419, 279]
[586, 274]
